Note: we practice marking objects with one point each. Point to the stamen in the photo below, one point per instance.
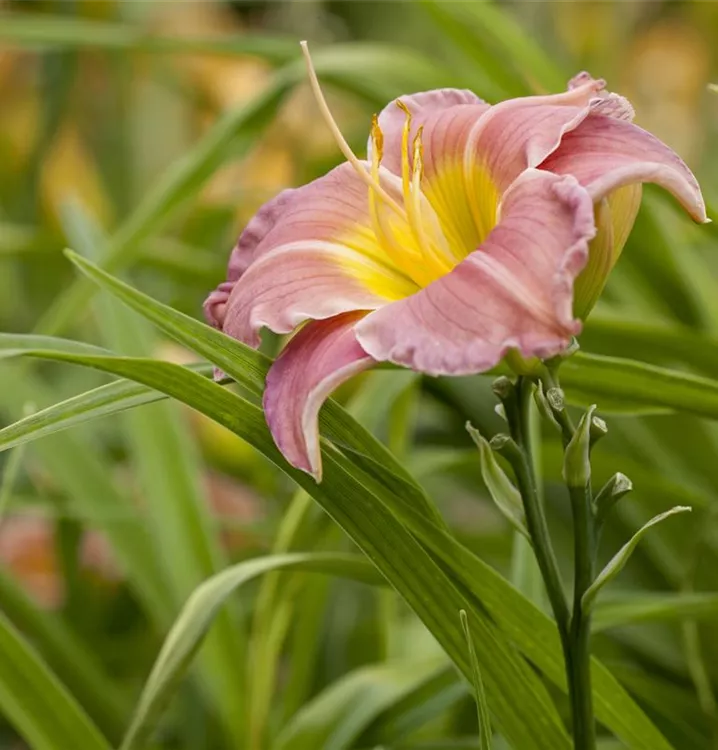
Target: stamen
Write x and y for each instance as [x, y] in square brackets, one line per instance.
[381, 227]
[344, 147]
[377, 139]
[414, 206]
[405, 167]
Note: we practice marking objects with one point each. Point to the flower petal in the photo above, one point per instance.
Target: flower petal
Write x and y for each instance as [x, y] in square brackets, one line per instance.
[429, 109]
[605, 153]
[520, 133]
[514, 292]
[446, 117]
[614, 217]
[244, 253]
[320, 260]
[317, 360]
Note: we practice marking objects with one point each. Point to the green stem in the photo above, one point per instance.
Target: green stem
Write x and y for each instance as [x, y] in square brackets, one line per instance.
[578, 664]
[535, 517]
[574, 627]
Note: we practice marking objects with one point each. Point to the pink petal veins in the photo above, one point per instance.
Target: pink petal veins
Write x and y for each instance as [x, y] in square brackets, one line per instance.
[317, 360]
[514, 292]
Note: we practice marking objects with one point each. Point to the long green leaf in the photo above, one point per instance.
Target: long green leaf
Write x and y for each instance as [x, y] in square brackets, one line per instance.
[638, 383]
[168, 467]
[186, 635]
[75, 465]
[336, 717]
[67, 32]
[249, 368]
[636, 607]
[35, 702]
[482, 708]
[655, 344]
[67, 655]
[430, 699]
[112, 398]
[511, 685]
[616, 564]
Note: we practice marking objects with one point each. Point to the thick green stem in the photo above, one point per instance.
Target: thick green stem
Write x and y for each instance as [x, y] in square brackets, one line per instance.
[578, 665]
[535, 517]
[574, 627]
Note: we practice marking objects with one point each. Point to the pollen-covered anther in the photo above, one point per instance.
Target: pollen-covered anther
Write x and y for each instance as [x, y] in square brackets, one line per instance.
[377, 140]
[418, 156]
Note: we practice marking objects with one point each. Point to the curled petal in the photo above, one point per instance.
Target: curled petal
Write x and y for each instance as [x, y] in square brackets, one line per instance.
[433, 111]
[605, 153]
[514, 292]
[317, 360]
[216, 304]
[445, 117]
[244, 253]
[605, 103]
[296, 282]
[258, 227]
[320, 260]
[520, 133]
[615, 216]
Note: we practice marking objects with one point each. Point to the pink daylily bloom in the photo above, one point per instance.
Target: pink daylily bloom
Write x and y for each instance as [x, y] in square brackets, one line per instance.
[459, 238]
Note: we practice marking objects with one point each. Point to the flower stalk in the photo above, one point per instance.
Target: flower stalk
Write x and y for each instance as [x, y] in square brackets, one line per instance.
[573, 621]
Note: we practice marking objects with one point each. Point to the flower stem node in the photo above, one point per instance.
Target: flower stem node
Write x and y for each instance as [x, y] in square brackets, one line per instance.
[527, 366]
[576, 460]
[615, 488]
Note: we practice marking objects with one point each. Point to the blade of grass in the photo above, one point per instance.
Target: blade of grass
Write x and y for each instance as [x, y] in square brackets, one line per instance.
[77, 468]
[510, 682]
[249, 368]
[112, 398]
[68, 656]
[167, 464]
[482, 708]
[36, 703]
[190, 628]
[336, 717]
[635, 607]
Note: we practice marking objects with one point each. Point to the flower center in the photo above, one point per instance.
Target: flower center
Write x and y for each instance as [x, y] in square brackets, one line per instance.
[418, 228]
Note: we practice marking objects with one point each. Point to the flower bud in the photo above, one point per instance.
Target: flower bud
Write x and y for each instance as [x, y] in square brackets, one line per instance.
[611, 492]
[614, 216]
[576, 460]
[505, 496]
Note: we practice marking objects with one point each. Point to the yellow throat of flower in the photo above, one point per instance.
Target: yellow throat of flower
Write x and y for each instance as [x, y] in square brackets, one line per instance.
[417, 232]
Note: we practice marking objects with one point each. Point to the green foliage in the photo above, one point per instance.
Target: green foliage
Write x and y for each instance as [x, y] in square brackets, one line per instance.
[203, 629]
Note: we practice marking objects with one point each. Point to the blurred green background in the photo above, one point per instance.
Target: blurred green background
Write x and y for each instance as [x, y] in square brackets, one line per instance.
[164, 126]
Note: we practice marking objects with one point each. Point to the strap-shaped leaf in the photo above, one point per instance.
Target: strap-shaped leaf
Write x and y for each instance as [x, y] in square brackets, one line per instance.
[511, 684]
[197, 615]
[35, 702]
[619, 560]
[482, 707]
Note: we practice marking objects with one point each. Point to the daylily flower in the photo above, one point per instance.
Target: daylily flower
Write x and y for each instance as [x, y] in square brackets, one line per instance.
[458, 240]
